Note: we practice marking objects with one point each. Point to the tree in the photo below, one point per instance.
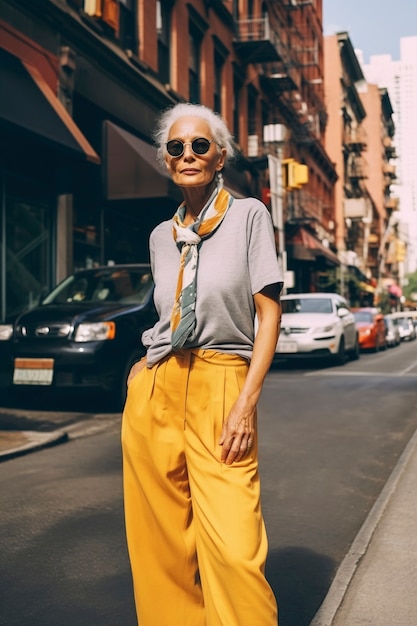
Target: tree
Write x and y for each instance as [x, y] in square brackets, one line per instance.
[410, 290]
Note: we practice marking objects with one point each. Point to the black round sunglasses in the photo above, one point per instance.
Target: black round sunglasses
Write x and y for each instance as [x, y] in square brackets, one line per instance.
[201, 145]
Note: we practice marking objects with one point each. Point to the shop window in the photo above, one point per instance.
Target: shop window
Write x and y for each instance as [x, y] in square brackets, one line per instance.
[26, 244]
[87, 238]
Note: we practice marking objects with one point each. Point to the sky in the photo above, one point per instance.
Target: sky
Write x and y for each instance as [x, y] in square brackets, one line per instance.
[374, 26]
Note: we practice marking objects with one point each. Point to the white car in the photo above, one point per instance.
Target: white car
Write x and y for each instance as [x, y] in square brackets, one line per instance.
[317, 325]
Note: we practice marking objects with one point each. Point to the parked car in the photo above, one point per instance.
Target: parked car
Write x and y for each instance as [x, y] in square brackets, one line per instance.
[406, 328]
[392, 332]
[371, 327]
[84, 335]
[317, 325]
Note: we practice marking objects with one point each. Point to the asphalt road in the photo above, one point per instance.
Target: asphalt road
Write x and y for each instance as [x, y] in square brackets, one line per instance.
[329, 439]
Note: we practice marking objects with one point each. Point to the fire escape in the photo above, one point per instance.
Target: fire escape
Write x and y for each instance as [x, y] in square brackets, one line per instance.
[285, 46]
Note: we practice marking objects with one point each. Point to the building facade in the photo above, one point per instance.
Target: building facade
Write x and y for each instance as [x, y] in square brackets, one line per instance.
[359, 138]
[399, 77]
[281, 44]
[87, 79]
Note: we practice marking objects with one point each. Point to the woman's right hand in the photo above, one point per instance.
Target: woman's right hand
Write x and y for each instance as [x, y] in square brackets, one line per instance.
[135, 369]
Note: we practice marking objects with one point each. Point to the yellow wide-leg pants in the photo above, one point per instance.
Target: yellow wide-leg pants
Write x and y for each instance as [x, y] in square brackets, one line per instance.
[196, 537]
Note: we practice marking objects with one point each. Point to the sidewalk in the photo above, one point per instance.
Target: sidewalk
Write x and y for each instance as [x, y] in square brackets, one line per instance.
[16, 443]
[376, 583]
[23, 431]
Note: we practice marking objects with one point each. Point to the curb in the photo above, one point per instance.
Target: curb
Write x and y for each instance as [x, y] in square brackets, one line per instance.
[37, 441]
[350, 564]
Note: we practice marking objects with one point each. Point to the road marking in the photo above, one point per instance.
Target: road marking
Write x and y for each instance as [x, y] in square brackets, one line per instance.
[359, 373]
[410, 367]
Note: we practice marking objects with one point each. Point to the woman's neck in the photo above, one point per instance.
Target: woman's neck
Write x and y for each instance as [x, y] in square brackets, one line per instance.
[195, 199]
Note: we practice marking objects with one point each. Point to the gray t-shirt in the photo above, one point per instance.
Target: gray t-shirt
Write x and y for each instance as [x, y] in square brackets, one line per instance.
[238, 260]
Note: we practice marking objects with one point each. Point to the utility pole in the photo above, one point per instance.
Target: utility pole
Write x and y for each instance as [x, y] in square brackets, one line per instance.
[274, 136]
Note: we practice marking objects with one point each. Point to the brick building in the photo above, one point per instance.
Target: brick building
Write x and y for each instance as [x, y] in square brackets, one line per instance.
[79, 180]
[359, 139]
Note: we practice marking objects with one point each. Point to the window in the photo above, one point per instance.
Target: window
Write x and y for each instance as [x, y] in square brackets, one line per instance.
[252, 126]
[127, 25]
[163, 27]
[118, 19]
[194, 64]
[265, 114]
[218, 81]
[237, 86]
[235, 9]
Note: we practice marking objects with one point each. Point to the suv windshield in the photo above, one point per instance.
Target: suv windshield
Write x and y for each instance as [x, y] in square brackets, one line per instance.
[307, 305]
[114, 284]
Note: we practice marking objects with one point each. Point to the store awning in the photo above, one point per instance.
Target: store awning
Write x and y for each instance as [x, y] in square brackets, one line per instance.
[131, 168]
[306, 247]
[28, 105]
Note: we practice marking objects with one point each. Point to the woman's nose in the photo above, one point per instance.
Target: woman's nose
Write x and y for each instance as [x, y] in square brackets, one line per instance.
[188, 151]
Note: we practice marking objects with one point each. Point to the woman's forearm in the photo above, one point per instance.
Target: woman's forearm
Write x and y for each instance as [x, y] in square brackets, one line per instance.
[269, 317]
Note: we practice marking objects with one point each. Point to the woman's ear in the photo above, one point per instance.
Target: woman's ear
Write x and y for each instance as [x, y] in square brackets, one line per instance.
[222, 159]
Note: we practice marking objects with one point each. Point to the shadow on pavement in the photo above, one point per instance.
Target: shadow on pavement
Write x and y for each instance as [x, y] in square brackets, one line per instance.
[57, 401]
[301, 364]
[300, 579]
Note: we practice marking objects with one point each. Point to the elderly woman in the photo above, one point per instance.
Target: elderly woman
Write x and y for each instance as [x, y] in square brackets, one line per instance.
[195, 531]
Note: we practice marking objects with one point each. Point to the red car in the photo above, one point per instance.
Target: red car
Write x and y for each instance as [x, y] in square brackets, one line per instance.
[371, 327]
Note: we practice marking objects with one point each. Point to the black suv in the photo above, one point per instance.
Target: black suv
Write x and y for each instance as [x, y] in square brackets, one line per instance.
[85, 334]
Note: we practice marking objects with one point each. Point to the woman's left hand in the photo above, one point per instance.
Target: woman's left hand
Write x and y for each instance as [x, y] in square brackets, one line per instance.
[238, 433]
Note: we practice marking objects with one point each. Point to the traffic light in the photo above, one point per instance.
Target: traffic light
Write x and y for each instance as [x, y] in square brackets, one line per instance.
[294, 175]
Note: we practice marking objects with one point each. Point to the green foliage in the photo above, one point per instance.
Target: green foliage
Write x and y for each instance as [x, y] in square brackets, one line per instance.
[384, 303]
[411, 289]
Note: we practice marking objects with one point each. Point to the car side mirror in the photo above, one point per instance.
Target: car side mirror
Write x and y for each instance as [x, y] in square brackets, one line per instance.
[342, 312]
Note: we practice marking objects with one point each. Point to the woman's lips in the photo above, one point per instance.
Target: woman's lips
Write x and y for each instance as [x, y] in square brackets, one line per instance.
[190, 170]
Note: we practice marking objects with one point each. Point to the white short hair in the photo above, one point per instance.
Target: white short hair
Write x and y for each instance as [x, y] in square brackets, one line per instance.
[218, 128]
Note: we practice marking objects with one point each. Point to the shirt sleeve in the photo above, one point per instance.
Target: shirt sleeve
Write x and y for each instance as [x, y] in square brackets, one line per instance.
[264, 268]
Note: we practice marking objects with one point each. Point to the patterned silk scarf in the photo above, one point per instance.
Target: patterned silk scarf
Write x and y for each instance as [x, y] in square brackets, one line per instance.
[188, 239]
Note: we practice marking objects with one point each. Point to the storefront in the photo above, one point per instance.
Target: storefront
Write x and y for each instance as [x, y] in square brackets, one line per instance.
[42, 153]
[314, 264]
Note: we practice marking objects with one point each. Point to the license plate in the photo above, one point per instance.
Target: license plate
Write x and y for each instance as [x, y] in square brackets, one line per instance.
[287, 347]
[33, 371]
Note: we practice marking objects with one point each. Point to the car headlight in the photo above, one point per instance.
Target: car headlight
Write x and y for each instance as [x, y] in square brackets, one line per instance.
[95, 331]
[6, 331]
[324, 329]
